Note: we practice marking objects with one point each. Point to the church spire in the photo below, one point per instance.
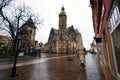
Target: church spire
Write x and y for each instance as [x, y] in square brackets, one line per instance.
[62, 19]
[62, 11]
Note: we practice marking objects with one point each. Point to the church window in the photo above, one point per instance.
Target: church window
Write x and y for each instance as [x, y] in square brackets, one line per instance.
[30, 31]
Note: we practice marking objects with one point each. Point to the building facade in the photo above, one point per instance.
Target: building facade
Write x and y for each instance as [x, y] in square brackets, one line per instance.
[5, 44]
[5, 41]
[93, 47]
[114, 31]
[64, 40]
[106, 22]
[27, 41]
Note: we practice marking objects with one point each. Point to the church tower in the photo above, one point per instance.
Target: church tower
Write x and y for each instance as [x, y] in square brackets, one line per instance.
[64, 40]
[62, 19]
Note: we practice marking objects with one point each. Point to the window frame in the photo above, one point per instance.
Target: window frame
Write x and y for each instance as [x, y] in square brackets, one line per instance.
[114, 16]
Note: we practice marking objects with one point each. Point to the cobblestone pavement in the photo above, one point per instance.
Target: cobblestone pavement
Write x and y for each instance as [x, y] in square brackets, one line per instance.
[64, 67]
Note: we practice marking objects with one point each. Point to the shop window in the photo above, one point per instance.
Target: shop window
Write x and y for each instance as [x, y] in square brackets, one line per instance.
[115, 15]
[116, 43]
[118, 13]
[114, 20]
[111, 23]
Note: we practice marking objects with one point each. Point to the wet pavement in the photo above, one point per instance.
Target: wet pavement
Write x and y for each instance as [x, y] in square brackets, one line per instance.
[54, 67]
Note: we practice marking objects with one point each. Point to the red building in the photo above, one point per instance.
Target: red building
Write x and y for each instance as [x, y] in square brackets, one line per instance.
[5, 41]
[5, 44]
[106, 23]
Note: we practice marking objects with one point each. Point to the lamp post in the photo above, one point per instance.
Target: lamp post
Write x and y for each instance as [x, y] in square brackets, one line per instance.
[67, 46]
[13, 72]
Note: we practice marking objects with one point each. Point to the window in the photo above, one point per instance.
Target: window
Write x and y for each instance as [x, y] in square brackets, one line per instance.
[111, 23]
[115, 15]
[30, 31]
[116, 45]
[114, 20]
[118, 13]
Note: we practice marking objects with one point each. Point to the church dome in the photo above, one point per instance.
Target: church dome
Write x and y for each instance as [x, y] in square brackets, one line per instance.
[62, 11]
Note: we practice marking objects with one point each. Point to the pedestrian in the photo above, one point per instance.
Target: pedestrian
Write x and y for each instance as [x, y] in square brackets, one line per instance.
[82, 53]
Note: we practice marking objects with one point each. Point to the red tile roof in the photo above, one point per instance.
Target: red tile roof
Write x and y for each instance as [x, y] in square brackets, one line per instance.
[4, 36]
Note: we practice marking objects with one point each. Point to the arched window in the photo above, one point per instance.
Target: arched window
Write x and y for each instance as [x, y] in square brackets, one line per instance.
[30, 31]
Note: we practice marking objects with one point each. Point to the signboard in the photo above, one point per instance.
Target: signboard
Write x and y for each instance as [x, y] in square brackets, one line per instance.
[21, 54]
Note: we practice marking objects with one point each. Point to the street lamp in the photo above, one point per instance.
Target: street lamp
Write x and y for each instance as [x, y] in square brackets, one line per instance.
[17, 38]
[67, 46]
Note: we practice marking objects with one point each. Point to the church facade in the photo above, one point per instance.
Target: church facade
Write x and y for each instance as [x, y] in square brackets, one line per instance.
[64, 40]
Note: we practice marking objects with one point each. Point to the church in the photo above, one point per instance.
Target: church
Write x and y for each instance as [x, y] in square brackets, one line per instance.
[64, 40]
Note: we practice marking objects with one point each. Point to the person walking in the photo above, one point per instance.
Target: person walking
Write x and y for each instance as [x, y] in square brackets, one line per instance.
[82, 54]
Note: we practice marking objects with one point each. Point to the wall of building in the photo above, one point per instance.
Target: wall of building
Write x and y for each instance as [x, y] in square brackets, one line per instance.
[114, 31]
[101, 9]
[106, 38]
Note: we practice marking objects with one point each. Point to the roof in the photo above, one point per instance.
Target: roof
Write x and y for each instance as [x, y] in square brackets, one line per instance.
[62, 11]
[30, 23]
[55, 31]
[4, 36]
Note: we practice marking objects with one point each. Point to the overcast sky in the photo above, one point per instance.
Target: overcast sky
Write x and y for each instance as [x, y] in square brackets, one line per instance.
[78, 14]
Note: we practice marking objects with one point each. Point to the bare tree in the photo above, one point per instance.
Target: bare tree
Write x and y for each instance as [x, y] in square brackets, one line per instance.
[11, 20]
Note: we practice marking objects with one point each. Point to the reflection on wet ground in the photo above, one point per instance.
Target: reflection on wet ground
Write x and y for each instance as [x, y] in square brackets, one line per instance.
[55, 68]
